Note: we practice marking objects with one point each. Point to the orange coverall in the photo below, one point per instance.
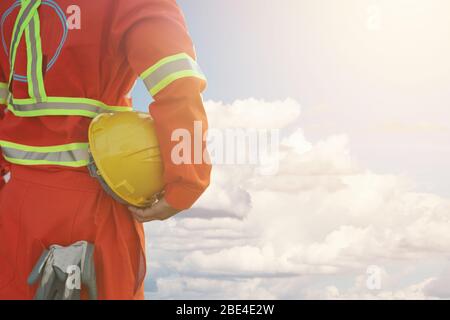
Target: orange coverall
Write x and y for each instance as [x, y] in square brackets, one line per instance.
[98, 54]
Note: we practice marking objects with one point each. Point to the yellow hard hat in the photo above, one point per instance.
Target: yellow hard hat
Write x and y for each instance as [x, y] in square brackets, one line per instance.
[126, 157]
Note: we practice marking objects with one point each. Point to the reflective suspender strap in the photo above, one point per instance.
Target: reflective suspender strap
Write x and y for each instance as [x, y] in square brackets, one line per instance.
[28, 21]
[3, 92]
[35, 77]
[26, 13]
[169, 69]
[69, 155]
[61, 106]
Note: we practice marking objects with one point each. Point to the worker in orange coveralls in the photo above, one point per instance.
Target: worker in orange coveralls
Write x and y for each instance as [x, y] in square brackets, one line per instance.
[61, 65]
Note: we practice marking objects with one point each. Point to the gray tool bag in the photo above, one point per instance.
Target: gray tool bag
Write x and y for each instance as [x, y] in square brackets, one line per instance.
[63, 270]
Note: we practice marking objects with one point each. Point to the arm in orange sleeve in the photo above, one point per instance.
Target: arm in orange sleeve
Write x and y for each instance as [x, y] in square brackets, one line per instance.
[160, 50]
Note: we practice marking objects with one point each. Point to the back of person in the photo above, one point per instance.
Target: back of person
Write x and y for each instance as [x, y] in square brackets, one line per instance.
[62, 63]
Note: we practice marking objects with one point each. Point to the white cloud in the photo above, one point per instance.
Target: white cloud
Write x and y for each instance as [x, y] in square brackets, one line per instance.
[440, 286]
[321, 216]
[412, 292]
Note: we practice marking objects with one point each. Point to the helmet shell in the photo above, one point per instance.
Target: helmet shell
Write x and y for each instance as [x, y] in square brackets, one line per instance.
[126, 151]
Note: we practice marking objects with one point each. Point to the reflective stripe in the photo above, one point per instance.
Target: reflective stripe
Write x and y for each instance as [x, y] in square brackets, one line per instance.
[70, 155]
[19, 27]
[169, 69]
[62, 106]
[28, 9]
[3, 92]
[34, 61]
[28, 21]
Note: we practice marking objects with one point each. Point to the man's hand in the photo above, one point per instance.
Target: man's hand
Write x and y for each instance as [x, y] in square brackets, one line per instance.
[161, 210]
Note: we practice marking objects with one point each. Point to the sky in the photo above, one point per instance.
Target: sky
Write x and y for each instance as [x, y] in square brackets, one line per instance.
[359, 92]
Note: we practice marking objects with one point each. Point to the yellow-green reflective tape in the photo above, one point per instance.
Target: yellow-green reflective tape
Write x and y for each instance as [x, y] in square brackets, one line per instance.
[30, 60]
[175, 76]
[3, 92]
[169, 69]
[35, 78]
[39, 67]
[50, 112]
[73, 164]
[58, 148]
[62, 106]
[164, 61]
[72, 155]
[26, 13]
